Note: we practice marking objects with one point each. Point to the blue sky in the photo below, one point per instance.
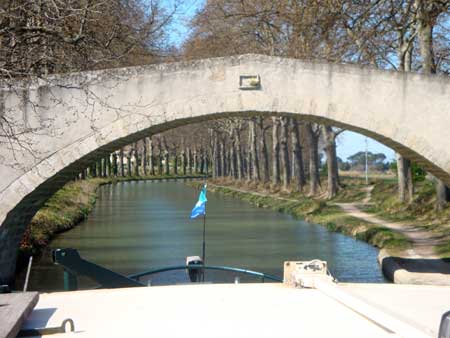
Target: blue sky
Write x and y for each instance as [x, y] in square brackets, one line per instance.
[348, 143]
[186, 9]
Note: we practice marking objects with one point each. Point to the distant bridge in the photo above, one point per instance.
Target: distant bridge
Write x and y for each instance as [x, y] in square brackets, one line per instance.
[65, 123]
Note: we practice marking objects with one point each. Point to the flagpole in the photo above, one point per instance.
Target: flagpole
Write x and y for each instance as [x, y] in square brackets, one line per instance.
[204, 245]
[204, 236]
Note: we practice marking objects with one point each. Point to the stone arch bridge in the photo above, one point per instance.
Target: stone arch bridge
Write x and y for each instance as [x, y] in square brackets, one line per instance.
[60, 125]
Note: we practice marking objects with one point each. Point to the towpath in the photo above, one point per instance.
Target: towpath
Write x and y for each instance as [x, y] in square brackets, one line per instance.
[417, 265]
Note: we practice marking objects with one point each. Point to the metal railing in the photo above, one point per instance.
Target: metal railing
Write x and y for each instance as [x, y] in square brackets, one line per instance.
[75, 266]
[261, 275]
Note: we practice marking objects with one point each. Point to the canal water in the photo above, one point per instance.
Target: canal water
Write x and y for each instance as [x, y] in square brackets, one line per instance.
[138, 226]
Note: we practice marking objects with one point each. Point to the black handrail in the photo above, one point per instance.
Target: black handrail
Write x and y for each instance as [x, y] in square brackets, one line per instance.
[264, 276]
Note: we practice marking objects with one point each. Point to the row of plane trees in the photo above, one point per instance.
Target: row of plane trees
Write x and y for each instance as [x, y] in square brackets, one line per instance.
[282, 151]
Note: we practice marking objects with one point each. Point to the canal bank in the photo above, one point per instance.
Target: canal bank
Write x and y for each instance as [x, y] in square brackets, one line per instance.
[398, 256]
[66, 209]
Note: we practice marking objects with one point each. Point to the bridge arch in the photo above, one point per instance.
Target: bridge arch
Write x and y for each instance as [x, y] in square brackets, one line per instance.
[72, 120]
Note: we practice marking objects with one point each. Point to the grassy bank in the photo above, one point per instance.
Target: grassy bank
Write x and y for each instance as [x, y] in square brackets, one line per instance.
[421, 212]
[67, 208]
[314, 211]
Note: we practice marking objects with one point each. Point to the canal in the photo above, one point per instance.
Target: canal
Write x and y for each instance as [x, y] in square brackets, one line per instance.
[137, 226]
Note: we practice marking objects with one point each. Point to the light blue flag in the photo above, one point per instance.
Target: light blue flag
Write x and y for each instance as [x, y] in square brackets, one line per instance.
[200, 207]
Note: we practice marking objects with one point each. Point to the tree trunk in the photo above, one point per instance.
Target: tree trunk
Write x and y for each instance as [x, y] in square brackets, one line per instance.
[136, 160]
[166, 162]
[99, 168]
[93, 170]
[275, 152]
[129, 164]
[298, 171]
[105, 167]
[109, 165]
[404, 169]
[122, 164]
[189, 160]
[151, 156]
[443, 195]
[144, 159]
[183, 162]
[254, 150]
[175, 163]
[248, 159]
[217, 171]
[425, 25]
[115, 168]
[264, 152]
[223, 157]
[285, 164]
[405, 181]
[313, 145]
[233, 160]
[229, 174]
[166, 157]
[330, 149]
[160, 158]
[207, 162]
[195, 159]
[202, 160]
[239, 160]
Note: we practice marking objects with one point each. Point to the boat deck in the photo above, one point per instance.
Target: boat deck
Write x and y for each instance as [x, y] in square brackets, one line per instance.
[238, 310]
[420, 306]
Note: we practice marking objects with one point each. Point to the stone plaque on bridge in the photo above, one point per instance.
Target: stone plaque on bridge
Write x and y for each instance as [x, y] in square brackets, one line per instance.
[249, 82]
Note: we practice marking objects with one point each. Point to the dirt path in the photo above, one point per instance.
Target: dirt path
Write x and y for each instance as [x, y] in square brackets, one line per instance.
[368, 197]
[418, 265]
[422, 241]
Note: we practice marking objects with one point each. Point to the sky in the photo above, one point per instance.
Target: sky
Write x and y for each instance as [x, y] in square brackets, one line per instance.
[186, 9]
[348, 143]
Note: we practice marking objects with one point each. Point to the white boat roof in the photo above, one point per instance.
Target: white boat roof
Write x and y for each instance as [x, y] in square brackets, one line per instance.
[241, 310]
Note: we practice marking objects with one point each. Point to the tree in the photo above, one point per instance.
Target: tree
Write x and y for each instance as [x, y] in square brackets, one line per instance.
[286, 168]
[122, 163]
[332, 163]
[276, 179]
[238, 144]
[402, 22]
[254, 150]
[43, 37]
[298, 170]
[405, 179]
[428, 12]
[264, 150]
[313, 134]
[374, 161]
[151, 156]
